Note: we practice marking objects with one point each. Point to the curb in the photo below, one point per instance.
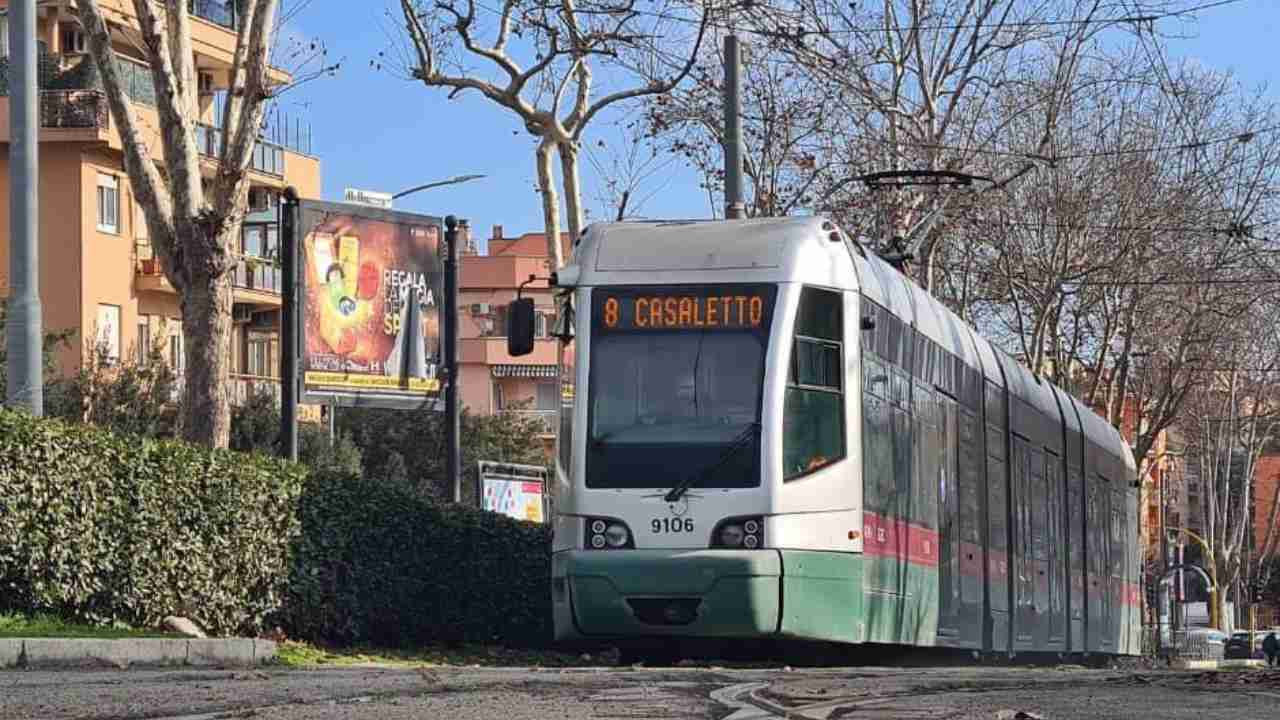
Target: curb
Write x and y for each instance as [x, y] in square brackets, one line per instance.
[80, 653]
[1217, 664]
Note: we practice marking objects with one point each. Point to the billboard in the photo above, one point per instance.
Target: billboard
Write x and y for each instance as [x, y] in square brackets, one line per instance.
[517, 491]
[372, 297]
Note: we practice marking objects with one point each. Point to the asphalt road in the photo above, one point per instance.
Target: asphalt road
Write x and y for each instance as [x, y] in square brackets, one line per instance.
[622, 693]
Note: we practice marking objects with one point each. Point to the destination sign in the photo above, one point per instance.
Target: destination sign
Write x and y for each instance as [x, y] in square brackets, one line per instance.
[720, 308]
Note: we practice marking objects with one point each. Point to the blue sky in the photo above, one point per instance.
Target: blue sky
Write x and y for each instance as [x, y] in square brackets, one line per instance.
[376, 131]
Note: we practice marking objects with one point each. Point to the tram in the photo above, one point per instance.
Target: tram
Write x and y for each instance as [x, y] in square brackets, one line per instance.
[777, 435]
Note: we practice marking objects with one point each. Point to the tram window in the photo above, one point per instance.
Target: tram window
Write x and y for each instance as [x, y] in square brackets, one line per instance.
[995, 405]
[566, 412]
[813, 424]
[877, 449]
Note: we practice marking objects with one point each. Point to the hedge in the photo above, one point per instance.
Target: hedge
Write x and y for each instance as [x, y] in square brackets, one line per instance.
[101, 527]
[378, 562]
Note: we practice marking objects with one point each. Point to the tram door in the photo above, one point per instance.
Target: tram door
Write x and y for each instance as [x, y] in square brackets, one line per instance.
[943, 468]
[1021, 554]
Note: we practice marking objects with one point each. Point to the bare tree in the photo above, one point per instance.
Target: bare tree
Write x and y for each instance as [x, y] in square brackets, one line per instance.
[631, 172]
[922, 75]
[193, 227]
[552, 92]
[1230, 422]
[792, 138]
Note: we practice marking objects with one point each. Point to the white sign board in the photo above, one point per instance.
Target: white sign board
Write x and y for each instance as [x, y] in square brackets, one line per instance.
[517, 491]
[368, 197]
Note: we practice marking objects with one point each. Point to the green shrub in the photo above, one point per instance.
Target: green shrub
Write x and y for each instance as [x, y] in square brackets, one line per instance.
[409, 445]
[100, 527]
[380, 562]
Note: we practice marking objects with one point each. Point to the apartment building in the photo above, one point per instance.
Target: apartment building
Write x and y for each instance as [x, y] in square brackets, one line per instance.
[492, 381]
[97, 271]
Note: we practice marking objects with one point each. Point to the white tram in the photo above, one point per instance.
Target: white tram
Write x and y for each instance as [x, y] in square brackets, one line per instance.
[775, 434]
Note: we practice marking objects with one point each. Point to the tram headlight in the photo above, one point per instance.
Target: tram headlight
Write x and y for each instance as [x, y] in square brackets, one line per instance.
[616, 535]
[731, 535]
[607, 534]
[739, 532]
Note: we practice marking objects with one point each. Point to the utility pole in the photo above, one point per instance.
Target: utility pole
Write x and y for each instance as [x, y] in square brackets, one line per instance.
[289, 325]
[452, 431]
[734, 209]
[23, 327]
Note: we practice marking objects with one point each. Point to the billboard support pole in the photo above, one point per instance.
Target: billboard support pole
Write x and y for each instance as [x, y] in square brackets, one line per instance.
[289, 325]
[452, 431]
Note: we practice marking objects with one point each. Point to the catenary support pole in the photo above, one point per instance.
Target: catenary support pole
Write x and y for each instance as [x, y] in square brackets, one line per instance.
[452, 431]
[23, 327]
[289, 325]
[733, 206]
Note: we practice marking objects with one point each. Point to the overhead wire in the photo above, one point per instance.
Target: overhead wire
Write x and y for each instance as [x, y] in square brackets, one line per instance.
[1056, 22]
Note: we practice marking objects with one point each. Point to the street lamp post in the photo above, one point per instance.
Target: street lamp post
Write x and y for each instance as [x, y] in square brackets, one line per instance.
[452, 409]
[451, 181]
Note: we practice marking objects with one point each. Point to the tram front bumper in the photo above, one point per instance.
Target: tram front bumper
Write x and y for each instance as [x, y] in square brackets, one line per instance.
[696, 593]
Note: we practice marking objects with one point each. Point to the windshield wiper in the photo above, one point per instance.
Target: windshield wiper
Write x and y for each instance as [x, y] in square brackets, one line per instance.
[748, 433]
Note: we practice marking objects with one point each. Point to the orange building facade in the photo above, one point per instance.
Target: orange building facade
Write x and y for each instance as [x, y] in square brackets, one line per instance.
[98, 275]
[492, 381]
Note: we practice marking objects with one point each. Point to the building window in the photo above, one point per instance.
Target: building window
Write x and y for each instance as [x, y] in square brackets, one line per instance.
[109, 333]
[4, 36]
[176, 355]
[260, 356]
[144, 339]
[499, 402]
[108, 204]
[813, 422]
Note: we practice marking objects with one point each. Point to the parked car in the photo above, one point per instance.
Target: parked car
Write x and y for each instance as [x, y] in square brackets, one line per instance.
[1238, 646]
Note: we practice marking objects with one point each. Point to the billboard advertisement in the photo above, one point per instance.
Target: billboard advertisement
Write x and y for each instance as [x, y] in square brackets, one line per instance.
[517, 491]
[372, 297]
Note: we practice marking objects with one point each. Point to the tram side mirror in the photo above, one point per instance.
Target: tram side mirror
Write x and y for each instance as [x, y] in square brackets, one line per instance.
[520, 327]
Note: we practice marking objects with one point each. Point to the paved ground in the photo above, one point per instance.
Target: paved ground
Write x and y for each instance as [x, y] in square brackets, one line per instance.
[624, 693]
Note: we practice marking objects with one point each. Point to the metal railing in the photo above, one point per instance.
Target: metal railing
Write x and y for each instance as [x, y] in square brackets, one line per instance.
[545, 419]
[74, 109]
[253, 273]
[267, 157]
[1191, 644]
[245, 387]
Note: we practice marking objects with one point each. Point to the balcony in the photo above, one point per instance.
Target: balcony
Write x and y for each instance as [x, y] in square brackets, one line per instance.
[243, 388]
[254, 281]
[150, 278]
[268, 158]
[74, 115]
[257, 281]
[545, 419]
[74, 110]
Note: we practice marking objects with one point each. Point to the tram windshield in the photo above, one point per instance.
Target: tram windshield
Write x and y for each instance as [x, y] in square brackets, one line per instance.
[676, 378]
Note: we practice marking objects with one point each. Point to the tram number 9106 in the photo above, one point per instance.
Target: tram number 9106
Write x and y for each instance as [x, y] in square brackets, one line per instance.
[671, 525]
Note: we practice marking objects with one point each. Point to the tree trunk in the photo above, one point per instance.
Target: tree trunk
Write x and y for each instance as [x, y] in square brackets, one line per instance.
[572, 188]
[206, 334]
[550, 202]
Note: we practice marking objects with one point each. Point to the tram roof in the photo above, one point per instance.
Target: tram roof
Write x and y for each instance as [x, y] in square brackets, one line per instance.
[790, 249]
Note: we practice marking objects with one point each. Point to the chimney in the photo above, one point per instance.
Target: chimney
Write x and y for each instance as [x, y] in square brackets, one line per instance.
[467, 246]
[497, 232]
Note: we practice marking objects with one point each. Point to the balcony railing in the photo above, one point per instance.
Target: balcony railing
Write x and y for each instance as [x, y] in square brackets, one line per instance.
[74, 109]
[546, 419]
[267, 157]
[245, 387]
[257, 274]
[219, 12]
